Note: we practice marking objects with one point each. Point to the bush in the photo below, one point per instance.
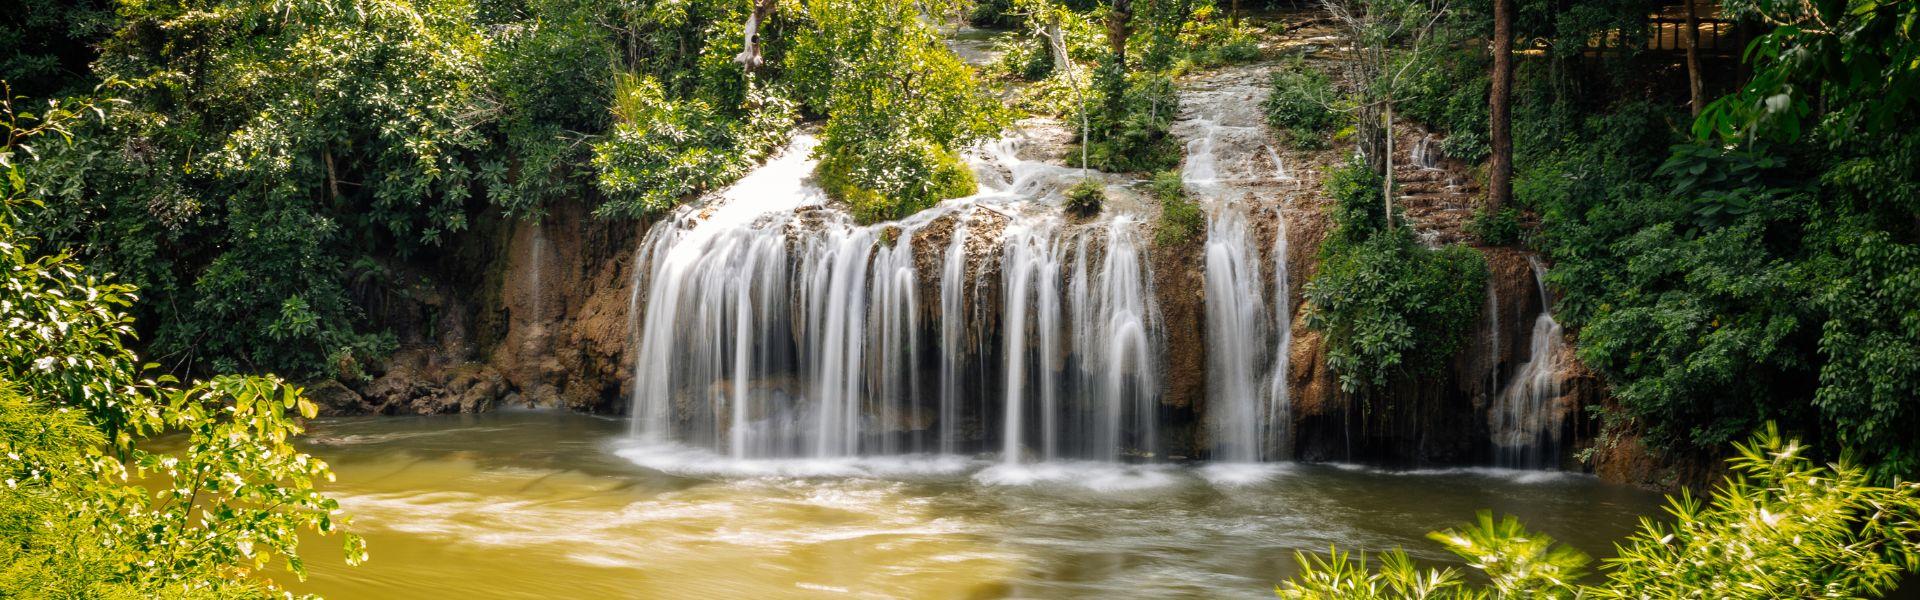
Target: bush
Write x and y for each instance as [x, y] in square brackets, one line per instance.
[1784, 527]
[1450, 97]
[1388, 305]
[1130, 135]
[662, 150]
[1358, 206]
[1495, 228]
[1392, 307]
[1181, 220]
[1304, 105]
[1085, 199]
[994, 14]
[90, 507]
[899, 104]
[882, 180]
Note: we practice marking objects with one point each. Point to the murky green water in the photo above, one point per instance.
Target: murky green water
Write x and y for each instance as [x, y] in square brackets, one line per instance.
[539, 505]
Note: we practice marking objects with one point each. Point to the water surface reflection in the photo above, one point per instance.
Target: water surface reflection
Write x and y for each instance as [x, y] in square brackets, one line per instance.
[537, 505]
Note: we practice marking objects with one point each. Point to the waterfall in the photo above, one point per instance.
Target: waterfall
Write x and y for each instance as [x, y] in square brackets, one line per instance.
[1279, 167]
[1029, 269]
[1237, 344]
[1279, 417]
[1248, 408]
[768, 326]
[537, 251]
[953, 278]
[1524, 419]
[897, 341]
[1116, 329]
[1424, 154]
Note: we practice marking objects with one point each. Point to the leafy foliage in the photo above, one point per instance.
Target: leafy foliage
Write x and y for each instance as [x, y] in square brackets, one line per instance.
[899, 105]
[1086, 197]
[1495, 228]
[661, 150]
[1305, 105]
[45, 45]
[1781, 527]
[1131, 134]
[1181, 219]
[1388, 305]
[1726, 284]
[118, 487]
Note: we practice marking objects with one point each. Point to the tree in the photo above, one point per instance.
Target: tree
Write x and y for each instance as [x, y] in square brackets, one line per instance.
[1386, 42]
[899, 104]
[1696, 90]
[749, 58]
[89, 508]
[1500, 109]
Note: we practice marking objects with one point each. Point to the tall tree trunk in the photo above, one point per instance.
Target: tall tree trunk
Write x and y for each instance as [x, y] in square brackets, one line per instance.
[749, 57]
[1119, 26]
[1500, 109]
[1694, 86]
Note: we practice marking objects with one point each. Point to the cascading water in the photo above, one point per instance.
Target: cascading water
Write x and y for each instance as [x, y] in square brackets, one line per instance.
[1237, 345]
[1279, 417]
[1424, 154]
[1116, 334]
[770, 327]
[953, 281]
[1247, 342]
[1524, 419]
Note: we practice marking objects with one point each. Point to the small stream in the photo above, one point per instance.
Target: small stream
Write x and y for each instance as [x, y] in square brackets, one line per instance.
[541, 505]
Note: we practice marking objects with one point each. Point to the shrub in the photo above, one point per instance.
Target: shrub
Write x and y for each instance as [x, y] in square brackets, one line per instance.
[1782, 527]
[1495, 228]
[1130, 135]
[1450, 97]
[90, 506]
[898, 105]
[1388, 305]
[888, 179]
[1085, 199]
[1181, 220]
[662, 150]
[1304, 105]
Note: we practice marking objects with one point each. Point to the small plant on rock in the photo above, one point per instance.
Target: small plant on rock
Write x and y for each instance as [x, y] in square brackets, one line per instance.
[1084, 199]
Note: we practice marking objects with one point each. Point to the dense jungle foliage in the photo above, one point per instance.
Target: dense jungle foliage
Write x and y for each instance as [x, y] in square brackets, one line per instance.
[1758, 263]
[118, 482]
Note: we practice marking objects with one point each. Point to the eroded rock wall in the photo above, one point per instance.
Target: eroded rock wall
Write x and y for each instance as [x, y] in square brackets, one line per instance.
[514, 312]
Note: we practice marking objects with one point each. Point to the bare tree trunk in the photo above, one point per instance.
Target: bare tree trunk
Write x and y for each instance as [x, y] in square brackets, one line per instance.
[1063, 64]
[1694, 86]
[1056, 44]
[1500, 108]
[749, 57]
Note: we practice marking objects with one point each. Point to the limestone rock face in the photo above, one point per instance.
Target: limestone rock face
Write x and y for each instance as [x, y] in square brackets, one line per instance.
[515, 312]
